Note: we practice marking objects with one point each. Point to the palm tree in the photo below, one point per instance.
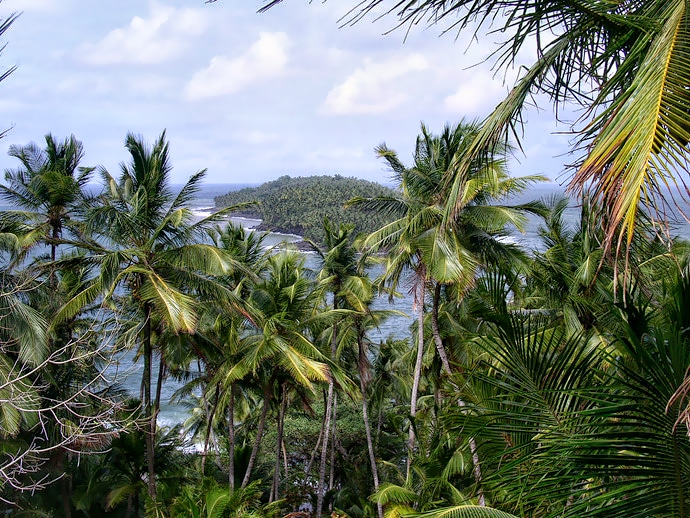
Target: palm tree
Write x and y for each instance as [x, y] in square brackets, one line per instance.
[276, 349]
[350, 290]
[419, 241]
[49, 186]
[154, 254]
[569, 425]
[220, 333]
[23, 349]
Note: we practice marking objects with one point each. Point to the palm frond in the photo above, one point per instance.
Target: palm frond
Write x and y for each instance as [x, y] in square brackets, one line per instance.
[464, 511]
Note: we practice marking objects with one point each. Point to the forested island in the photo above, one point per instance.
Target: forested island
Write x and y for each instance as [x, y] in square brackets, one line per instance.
[299, 205]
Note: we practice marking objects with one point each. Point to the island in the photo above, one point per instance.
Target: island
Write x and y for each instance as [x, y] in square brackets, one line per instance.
[299, 205]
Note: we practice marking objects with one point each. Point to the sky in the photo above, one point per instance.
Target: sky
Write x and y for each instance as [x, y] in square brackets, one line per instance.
[248, 96]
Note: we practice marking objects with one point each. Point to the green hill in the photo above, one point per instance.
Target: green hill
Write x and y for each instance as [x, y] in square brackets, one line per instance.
[298, 205]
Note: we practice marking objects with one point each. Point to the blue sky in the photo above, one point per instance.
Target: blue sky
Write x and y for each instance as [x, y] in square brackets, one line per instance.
[248, 96]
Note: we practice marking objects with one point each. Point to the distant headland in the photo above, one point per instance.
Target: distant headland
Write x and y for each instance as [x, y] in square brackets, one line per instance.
[299, 205]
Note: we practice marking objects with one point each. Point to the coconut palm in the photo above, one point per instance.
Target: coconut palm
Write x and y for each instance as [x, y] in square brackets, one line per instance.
[350, 290]
[277, 350]
[150, 251]
[623, 62]
[23, 348]
[218, 339]
[575, 428]
[49, 187]
[418, 241]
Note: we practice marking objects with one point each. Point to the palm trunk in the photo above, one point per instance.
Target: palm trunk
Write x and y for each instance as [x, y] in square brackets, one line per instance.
[285, 459]
[279, 442]
[334, 427]
[327, 422]
[149, 415]
[367, 426]
[231, 438]
[324, 451]
[417, 369]
[435, 330]
[53, 256]
[307, 470]
[257, 442]
[162, 373]
[440, 348]
[64, 483]
[209, 427]
[130, 506]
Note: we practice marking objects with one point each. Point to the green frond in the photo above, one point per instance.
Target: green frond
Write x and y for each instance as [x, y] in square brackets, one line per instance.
[25, 327]
[464, 511]
[500, 124]
[204, 258]
[640, 141]
[19, 399]
[391, 494]
[388, 206]
[447, 261]
[303, 369]
[217, 501]
[176, 307]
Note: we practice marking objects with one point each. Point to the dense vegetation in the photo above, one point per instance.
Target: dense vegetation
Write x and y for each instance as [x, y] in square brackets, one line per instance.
[533, 385]
[299, 205]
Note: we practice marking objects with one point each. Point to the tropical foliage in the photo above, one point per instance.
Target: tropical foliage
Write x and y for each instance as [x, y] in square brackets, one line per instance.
[532, 383]
[550, 382]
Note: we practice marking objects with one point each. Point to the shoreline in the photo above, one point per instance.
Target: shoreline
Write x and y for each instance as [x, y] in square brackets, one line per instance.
[251, 223]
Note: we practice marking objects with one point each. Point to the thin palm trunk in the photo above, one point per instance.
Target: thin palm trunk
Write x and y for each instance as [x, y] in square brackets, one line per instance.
[279, 442]
[367, 425]
[417, 368]
[334, 428]
[327, 420]
[209, 427]
[307, 470]
[257, 442]
[53, 256]
[231, 438]
[285, 459]
[441, 349]
[54, 241]
[435, 331]
[64, 484]
[159, 387]
[324, 451]
[149, 416]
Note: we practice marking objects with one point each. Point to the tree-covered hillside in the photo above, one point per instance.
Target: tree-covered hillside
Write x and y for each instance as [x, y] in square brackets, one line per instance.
[298, 205]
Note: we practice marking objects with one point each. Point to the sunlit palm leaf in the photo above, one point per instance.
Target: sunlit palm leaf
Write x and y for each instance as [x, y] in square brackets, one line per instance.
[640, 150]
[464, 511]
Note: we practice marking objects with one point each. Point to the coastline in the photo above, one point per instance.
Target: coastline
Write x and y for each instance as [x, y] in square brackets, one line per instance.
[253, 224]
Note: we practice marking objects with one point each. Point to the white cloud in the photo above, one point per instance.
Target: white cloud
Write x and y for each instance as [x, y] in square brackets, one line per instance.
[265, 59]
[374, 88]
[156, 39]
[479, 92]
